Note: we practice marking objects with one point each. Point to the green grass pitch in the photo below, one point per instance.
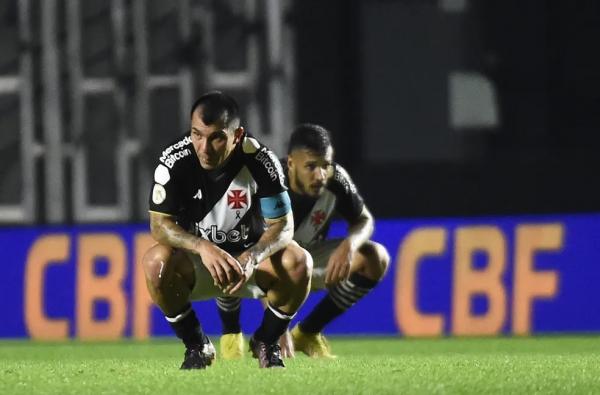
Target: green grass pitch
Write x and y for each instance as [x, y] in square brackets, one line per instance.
[365, 365]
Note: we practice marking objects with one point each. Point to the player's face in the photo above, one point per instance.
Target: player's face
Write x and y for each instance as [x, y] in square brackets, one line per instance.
[213, 143]
[309, 171]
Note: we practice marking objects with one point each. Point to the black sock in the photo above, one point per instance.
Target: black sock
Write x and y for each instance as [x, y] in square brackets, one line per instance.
[187, 327]
[339, 299]
[229, 311]
[274, 324]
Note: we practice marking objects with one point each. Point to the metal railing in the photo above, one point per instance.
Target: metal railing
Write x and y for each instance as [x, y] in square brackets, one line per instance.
[67, 109]
[21, 86]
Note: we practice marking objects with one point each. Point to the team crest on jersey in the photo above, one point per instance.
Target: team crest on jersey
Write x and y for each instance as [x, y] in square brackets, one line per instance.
[312, 224]
[318, 217]
[237, 199]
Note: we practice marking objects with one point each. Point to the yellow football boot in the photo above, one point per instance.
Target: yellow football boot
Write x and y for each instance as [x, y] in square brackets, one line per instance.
[232, 346]
[312, 344]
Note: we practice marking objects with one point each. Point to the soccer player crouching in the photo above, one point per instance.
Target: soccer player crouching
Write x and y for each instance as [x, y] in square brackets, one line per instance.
[221, 216]
[348, 268]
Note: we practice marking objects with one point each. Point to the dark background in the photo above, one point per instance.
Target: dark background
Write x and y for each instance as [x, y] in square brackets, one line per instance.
[379, 74]
[374, 73]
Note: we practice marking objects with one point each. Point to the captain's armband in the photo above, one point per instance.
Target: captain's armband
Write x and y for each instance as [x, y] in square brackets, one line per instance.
[276, 206]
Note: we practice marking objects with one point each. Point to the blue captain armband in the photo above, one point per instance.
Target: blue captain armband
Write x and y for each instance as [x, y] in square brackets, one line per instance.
[276, 206]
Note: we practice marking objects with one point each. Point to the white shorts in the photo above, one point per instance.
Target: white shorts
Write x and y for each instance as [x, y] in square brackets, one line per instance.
[320, 252]
[204, 288]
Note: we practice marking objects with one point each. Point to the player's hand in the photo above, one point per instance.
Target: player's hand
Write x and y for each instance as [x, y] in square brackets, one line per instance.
[247, 266]
[223, 268]
[338, 267]
[287, 345]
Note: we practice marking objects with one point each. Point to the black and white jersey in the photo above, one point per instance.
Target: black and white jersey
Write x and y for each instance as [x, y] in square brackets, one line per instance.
[312, 216]
[226, 205]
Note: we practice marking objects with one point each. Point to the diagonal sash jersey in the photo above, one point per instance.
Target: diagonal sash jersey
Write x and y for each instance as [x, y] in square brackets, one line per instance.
[312, 216]
[227, 205]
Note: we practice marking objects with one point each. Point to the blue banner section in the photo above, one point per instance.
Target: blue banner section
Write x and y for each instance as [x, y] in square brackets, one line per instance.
[480, 276]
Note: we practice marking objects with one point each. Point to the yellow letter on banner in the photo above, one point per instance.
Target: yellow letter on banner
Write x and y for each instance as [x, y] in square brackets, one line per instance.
[108, 288]
[469, 282]
[141, 298]
[530, 284]
[417, 245]
[47, 250]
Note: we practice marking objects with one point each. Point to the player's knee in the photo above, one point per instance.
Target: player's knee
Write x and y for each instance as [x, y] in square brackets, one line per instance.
[154, 263]
[384, 258]
[377, 259]
[298, 263]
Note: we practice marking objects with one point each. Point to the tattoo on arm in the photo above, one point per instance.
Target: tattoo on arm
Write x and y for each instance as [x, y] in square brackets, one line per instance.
[166, 231]
[278, 234]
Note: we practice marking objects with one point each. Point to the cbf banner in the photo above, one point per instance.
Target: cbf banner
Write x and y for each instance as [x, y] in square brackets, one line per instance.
[467, 277]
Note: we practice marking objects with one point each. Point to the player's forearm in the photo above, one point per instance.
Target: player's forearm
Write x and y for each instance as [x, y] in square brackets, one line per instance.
[277, 235]
[166, 231]
[360, 231]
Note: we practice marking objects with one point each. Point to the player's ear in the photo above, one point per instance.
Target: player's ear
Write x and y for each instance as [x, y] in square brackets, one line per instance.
[289, 161]
[238, 134]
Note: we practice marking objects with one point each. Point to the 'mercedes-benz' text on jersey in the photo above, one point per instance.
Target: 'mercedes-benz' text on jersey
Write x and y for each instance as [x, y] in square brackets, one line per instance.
[220, 205]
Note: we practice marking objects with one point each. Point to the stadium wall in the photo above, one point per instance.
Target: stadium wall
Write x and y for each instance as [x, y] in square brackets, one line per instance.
[466, 277]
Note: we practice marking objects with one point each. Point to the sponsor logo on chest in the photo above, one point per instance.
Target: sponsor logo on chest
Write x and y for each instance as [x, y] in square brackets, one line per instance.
[217, 236]
[222, 223]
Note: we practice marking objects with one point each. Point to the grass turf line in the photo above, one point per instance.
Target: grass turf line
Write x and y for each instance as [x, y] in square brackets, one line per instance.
[365, 365]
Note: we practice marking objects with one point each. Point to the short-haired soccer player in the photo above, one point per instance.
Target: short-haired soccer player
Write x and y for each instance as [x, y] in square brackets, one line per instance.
[221, 216]
[347, 268]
